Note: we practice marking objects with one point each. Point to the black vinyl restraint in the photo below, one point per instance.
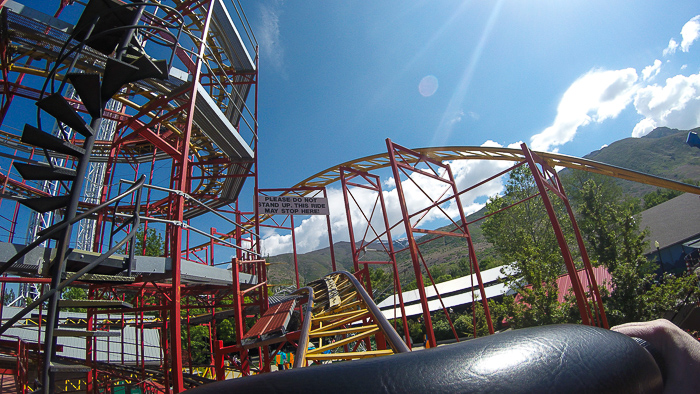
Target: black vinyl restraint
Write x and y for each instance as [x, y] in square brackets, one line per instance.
[549, 359]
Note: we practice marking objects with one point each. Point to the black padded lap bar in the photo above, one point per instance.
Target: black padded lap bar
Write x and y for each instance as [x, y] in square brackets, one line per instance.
[549, 359]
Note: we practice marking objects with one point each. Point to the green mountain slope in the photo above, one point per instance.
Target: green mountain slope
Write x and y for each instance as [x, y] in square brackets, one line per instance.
[663, 152]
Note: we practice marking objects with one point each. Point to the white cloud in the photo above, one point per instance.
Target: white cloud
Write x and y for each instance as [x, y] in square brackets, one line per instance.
[690, 32]
[651, 71]
[269, 35]
[671, 48]
[676, 105]
[274, 243]
[644, 127]
[456, 117]
[594, 97]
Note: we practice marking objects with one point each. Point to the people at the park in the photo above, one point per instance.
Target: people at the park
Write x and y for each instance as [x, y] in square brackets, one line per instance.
[280, 360]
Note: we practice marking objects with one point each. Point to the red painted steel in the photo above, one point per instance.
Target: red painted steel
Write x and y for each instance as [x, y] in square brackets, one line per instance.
[547, 180]
[274, 320]
[351, 177]
[408, 162]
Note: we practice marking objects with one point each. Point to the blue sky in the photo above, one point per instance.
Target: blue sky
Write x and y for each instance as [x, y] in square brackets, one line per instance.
[338, 78]
[347, 75]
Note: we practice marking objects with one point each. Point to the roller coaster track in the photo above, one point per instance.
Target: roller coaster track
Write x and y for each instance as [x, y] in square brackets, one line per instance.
[452, 153]
[154, 114]
[343, 323]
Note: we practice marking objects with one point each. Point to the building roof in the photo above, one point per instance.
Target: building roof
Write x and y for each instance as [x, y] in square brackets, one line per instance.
[453, 292]
[672, 222]
[601, 275]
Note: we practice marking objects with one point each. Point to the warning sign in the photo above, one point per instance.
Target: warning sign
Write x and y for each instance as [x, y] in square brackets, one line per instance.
[291, 205]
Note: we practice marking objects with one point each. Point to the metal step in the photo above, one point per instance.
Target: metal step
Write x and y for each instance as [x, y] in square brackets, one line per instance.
[149, 68]
[58, 107]
[113, 265]
[62, 332]
[93, 304]
[117, 74]
[33, 136]
[45, 204]
[43, 172]
[87, 85]
[64, 367]
[101, 278]
[106, 17]
[57, 235]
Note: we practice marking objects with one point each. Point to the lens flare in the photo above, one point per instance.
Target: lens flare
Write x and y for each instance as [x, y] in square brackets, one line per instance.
[428, 86]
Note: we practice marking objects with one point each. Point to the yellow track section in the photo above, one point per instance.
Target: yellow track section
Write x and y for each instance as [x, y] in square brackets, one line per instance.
[450, 153]
[343, 323]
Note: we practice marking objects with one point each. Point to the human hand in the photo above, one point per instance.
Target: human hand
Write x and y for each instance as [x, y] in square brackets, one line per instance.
[679, 350]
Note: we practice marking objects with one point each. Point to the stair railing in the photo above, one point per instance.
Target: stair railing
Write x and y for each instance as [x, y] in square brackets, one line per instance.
[135, 220]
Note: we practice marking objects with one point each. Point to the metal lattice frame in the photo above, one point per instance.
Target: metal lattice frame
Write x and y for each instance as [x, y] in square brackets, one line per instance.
[372, 233]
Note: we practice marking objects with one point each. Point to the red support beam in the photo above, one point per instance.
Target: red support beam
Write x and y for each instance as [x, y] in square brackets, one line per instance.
[563, 245]
[373, 183]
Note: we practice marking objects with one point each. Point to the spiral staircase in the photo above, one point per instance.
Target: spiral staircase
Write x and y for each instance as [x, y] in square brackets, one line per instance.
[110, 28]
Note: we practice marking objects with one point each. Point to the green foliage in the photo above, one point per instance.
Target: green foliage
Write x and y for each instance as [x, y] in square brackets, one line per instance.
[74, 293]
[464, 323]
[658, 196]
[612, 237]
[8, 297]
[523, 234]
[441, 328]
[226, 332]
[416, 330]
[669, 294]
[199, 344]
[614, 240]
[382, 282]
[148, 243]
[412, 285]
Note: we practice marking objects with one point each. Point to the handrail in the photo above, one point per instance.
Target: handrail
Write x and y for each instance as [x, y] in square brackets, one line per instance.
[63, 224]
[303, 343]
[189, 197]
[395, 341]
[392, 337]
[135, 220]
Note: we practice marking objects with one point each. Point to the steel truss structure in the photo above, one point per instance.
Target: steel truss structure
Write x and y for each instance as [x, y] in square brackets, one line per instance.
[193, 136]
[197, 128]
[374, 232]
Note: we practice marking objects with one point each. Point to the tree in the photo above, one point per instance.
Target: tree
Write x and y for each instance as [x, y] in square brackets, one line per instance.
[74, 293]
[611, 232]
[523, 235]
[614, 240]
[200, 347]
[661, 195]
[148, 244]
[8, 297]
[382, 282]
